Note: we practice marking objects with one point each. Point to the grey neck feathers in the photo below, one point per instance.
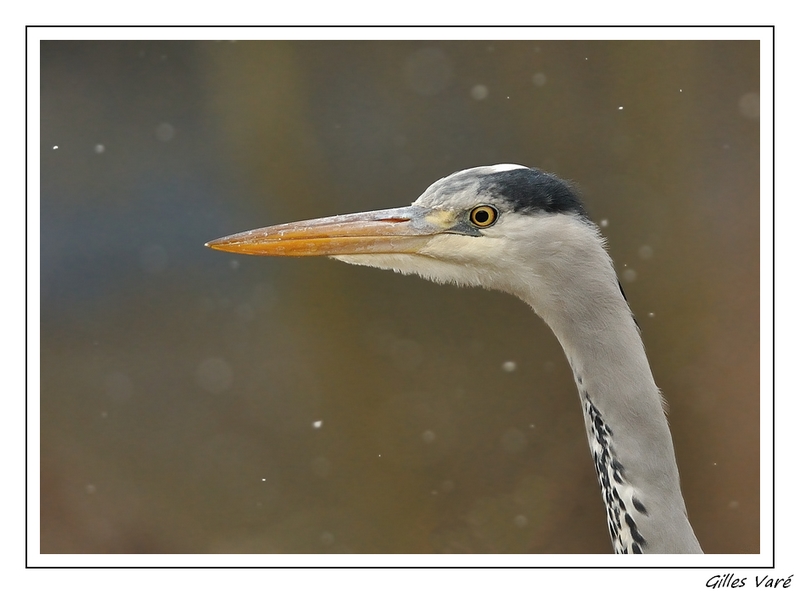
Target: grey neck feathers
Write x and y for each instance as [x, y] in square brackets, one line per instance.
[627, 429]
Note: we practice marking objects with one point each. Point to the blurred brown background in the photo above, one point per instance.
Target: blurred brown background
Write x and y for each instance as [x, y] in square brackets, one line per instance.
[182, 389]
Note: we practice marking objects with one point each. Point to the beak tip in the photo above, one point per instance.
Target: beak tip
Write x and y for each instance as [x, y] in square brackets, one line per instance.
[214, 244]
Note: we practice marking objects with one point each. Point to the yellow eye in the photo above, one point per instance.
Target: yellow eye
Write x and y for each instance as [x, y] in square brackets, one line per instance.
[483, 216]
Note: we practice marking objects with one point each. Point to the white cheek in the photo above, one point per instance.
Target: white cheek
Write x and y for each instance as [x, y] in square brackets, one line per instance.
[475, 251]
[398, 262]
[440, 271]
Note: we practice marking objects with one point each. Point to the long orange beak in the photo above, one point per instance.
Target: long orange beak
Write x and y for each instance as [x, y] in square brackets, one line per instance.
[397, 230]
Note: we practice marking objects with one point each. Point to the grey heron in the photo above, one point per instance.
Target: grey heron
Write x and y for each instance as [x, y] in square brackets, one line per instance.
[525, 232]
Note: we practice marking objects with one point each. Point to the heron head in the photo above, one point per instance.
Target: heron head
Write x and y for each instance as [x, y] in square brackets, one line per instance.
[484, 226]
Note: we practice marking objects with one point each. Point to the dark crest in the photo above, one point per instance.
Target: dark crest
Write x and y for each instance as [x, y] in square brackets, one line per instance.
[530, 190]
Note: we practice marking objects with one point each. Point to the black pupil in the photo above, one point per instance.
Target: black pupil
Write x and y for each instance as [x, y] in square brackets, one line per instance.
[481, 216]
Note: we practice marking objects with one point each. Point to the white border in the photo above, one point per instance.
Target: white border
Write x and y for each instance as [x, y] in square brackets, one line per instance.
[399, 33]
[35, 35]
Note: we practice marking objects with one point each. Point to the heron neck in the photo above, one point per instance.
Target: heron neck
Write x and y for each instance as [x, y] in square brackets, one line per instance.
[627, 428]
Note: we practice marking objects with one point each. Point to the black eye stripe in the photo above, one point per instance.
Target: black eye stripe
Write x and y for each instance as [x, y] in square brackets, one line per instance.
[483, 216]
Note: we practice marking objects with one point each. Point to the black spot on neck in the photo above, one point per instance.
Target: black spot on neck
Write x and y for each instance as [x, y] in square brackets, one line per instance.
[529, 190]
